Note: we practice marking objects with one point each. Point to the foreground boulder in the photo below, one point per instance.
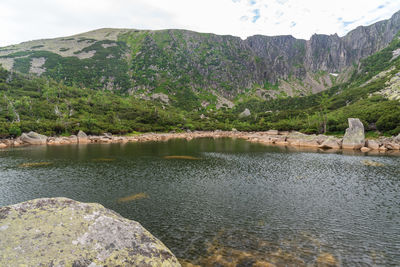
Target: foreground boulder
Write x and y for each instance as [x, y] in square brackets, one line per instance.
[64, 232]
[33, 138]
[354, 137]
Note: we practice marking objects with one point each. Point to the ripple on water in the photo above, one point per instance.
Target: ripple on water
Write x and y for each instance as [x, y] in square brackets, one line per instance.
[242, 204]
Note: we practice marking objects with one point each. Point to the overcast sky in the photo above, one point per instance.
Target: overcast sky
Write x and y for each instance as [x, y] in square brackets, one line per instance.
[24, 20]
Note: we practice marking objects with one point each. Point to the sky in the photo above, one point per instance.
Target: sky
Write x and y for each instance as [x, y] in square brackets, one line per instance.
[24, 20]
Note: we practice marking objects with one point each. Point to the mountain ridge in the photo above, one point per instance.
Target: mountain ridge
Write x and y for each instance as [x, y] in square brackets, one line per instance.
[204, 66]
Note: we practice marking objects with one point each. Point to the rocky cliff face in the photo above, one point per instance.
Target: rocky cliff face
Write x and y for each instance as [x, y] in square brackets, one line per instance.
[170, 60]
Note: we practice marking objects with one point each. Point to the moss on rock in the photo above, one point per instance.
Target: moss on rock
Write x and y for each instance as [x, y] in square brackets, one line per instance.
[64, 232]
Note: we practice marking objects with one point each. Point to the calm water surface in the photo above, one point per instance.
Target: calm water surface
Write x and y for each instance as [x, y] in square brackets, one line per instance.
[237, 204]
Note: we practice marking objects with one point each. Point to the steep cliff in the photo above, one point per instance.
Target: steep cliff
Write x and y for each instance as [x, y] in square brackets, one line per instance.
[206, 66]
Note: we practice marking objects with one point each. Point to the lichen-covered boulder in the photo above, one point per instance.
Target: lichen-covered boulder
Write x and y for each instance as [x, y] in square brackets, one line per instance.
[33, 138]
[64, 232]
[354, 137]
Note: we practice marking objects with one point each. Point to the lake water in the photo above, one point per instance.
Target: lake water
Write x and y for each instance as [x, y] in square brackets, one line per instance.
[231, 203]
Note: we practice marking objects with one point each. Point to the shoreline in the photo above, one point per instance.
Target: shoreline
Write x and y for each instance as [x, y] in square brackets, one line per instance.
[295, 140]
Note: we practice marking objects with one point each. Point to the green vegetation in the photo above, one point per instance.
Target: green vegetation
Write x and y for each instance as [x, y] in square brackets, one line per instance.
[103, 90]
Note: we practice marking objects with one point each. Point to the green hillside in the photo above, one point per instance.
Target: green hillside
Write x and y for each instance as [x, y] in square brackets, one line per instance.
[52, 107]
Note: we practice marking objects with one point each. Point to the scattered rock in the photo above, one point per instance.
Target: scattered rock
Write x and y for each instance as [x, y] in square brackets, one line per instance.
[33, 138]
[382, 148]
[160, 96]
[365, 149]
[64, 232]
[397, 138]
[107, 135]
[2, 145]
[354, 137]
[272, 132]
[82, 137]
[73, 139]
[392, 146]
[331, 143]
[372, 144]
[245, 113]
[304, 140]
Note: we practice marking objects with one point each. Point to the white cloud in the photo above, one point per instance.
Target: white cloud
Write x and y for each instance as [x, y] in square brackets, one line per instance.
[24, 20]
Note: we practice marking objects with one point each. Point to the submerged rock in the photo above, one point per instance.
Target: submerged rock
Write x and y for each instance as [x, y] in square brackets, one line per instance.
[33, 138]
[64, 232]
[354, 137]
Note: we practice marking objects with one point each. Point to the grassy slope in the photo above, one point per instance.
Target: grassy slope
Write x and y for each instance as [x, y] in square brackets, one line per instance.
[61, 105]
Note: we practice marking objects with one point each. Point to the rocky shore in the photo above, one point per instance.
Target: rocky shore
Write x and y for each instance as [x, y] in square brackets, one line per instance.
[354, 139]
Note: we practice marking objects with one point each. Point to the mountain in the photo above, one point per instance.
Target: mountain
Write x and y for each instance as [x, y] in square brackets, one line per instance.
[209, 67]
[124, 80]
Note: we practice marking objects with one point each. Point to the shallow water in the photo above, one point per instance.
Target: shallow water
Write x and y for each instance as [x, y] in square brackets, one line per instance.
[237, 204]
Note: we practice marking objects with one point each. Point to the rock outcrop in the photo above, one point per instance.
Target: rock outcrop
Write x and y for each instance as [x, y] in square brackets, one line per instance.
[245, 113]
[64, 232]
[354, 137]
[33, 138]
[331, 143]
[82, 137]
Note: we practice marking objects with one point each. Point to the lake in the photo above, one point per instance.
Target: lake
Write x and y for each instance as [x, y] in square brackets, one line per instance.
[228, 202]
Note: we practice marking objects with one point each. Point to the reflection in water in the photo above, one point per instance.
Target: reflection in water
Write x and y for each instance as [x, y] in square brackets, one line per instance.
[276, 206]
[34, 164]
[133, 197]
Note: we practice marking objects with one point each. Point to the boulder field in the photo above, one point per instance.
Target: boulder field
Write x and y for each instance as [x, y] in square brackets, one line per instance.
[354, 139]
[64, 232]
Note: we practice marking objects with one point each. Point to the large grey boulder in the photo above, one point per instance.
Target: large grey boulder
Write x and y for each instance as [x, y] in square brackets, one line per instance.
[82, 137]
[354, 137]
[33, 138]
[64, 232]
